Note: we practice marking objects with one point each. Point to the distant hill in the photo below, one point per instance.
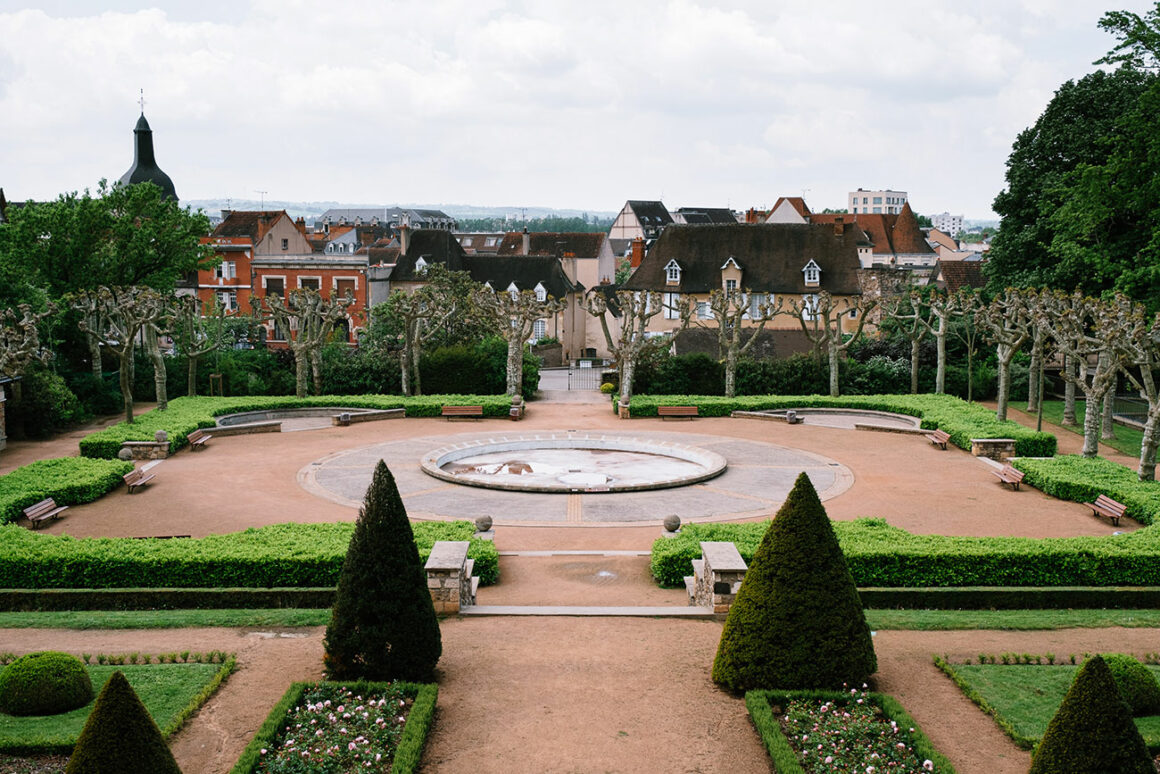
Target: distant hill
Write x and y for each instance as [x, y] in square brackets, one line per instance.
[312, 210]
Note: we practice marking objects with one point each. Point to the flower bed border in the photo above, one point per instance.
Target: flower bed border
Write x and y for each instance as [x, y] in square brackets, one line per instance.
[407, 754]
[786, 761]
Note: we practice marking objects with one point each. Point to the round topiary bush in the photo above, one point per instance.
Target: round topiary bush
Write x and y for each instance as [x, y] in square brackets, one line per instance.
[1136, 684]
[45, 683]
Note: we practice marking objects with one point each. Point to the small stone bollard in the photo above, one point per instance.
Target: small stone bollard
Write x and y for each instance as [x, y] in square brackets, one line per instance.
[672, 525]
[125, 454]
[483, 528]
[344, 419]
[161, 436]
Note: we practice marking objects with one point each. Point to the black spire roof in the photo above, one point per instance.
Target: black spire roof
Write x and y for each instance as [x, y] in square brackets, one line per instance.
[145, 169]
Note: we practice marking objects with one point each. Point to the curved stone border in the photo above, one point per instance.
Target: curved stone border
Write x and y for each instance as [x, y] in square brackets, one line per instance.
[780, 414]
[432, 463]
[268, 415]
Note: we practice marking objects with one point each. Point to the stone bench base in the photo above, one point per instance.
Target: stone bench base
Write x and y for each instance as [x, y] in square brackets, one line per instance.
[716, 577]
[998, 449]
[449, 577]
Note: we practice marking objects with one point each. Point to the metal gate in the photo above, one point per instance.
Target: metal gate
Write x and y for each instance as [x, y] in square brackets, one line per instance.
[584, 375]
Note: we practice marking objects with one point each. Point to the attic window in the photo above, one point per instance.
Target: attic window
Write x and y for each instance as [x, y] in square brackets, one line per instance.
[489, 287]
[420, 265]
[673, 273]
[513, 290]
[813, 274]
[541, 292]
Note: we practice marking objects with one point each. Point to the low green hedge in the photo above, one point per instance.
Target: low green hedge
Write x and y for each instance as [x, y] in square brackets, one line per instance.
[881, 555]
[50, 600]
[962, 420]
[295, 555]
[786, 761]
[185, 415]
[1003, 598]
[407, 754]
[68, 480]
[1071, 477]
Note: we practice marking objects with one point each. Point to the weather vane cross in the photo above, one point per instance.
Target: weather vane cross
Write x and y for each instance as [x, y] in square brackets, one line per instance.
[141, 101]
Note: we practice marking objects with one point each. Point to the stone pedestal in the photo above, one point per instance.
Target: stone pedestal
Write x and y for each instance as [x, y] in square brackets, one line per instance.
[998, 449]
[716, 577]
[146, 450]
[622, 410]
[449, 578]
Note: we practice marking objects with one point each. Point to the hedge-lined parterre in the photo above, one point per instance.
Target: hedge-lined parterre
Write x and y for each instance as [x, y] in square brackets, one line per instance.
[68, 480]
[1071, 477]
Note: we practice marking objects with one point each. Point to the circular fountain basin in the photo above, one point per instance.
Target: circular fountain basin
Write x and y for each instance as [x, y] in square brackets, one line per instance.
[572, 462]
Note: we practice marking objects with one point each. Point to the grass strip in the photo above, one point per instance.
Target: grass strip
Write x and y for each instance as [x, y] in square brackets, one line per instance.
[1127, 440]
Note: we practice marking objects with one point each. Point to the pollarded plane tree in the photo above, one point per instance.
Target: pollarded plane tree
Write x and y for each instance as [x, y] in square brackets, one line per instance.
[909, 314]
[1140, 351]
[115, 317]
[514, 314]
[730, 310]
[312, 318]
[964, 303]
[20, 341]
[196, 332]
[420, 314]
[821, 320]
[1086, 329]
[1006, 322]
[636, 308]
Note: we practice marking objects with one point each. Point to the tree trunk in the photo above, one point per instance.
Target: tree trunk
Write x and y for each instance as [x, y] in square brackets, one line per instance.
[833, 349]
[730, 372]
[1091, 427]
[316, 369]
[405, 370]
[1147, 469]
[160, 385]
[416, 373]
[1070, 368]
[95, 355]
[1108, 425]
[970, 373]
[191, 376]
[126, 380]
[300, 373]
[626, 375]
[515, 367]
[1004, 383]
[914, 366]
[940, 374]
[1033, 396]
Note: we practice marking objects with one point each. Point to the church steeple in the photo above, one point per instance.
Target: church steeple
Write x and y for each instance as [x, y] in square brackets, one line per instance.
[145, 167]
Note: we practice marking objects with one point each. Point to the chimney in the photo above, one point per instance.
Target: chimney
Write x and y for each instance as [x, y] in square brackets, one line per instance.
[839, 228]
[637, 254]
[404, 238]
[751, 216]
[527, 244]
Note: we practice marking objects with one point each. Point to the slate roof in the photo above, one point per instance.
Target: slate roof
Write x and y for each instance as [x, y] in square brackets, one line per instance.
[703, 215]
[771, 256]
[433, 244]
[580, 244]
[524, 270]
[960, 274]
[893, 234]
[248, 223]
[650, 214]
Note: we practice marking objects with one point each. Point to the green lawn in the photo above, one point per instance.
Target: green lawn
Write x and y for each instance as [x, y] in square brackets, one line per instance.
[922, 620]
[1023, 698]
[1127, 438]
[169, 691]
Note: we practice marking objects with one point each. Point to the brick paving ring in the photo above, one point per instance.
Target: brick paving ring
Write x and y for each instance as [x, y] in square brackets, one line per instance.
[577, 478]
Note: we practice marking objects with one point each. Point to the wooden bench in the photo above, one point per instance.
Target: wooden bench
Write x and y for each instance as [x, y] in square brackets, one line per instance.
[677, 412]
[1106, 506]
[136, 479]
[198, 438]
[44, 510]
[1009, 475]
[939, 438]
[159, 537]
[463, 412]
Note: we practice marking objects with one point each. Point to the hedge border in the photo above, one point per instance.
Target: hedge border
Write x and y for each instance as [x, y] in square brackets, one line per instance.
[962, 420]
[87, 480]
[407, 754]
[227, 668]
[786, 761]
[1012, 598]
[1079, 479]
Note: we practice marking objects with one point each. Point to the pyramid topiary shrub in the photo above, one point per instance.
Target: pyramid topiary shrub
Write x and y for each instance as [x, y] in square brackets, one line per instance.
[1092, 732]
[797, 621]
[120, 736]
[383, 624]
[1136, 683]
[44, 683]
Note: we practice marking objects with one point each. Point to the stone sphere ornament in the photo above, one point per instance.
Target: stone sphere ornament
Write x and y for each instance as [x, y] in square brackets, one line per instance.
[161, 436]
[672, 522]
[483, 524]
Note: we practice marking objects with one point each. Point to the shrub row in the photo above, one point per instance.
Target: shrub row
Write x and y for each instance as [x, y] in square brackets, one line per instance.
[68, 480]
[408, 752]
[961, 419]
[786, 761]
[185, 415]
[49, 600]
[1007, 598]
[1071, 477]
[881, 555]
[281, 555]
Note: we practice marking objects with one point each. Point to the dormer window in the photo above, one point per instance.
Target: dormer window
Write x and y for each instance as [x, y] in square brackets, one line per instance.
[489, 287]
[813, 274]
[541, 292]
[420, 265]
[673, 273]
[513, 291]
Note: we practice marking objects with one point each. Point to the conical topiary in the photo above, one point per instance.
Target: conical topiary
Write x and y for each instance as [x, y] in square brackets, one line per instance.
[383, 625]
[120, 737]
[797, 621]
[1136, 683]
[1092, 732]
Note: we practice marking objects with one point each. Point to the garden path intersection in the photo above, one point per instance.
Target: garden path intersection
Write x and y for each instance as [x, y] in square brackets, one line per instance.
[572, 694]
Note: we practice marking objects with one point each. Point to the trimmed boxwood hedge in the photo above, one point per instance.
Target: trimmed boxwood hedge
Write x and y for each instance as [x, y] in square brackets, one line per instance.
[294, 555]
[881, 555]
[786, 761]
[68, 480]
[408, 752]
[185, 415]
[1072, 477]
[956, 416]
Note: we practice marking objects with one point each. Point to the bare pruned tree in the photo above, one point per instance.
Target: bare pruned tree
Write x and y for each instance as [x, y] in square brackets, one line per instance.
[310, 318]
[729, 311]
[636, 308]
[514, 314]
[821, 320]
[1141, 352]
[20, 341]
[1006, 322]
[197, 331]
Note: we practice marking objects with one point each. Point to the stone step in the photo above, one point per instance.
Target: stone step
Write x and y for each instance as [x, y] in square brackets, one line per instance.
[468, 566]
[691, 589]
[668, 611]
[474, 587]
[698, 569]
[588, 552]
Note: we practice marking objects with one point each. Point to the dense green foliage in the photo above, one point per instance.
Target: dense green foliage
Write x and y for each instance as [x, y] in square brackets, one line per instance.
[1072, 477]
[881, 555]
[68, 480]
[797, 621]
[185, 415]
[45, 683]
[1136, 683]
[120, 735]
[383, 624]
[962, 420]
[410, 746]
[1092, 733]
[299, 555]
[760, 705]
[46, 405]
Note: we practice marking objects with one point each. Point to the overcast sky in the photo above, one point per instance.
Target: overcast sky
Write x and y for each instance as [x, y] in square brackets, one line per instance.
[562, 104]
